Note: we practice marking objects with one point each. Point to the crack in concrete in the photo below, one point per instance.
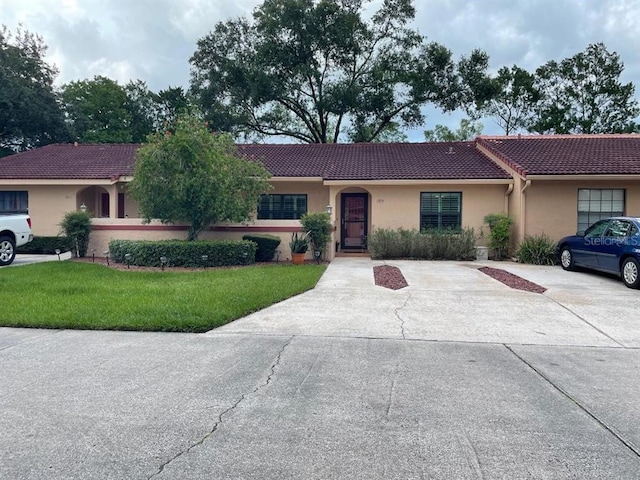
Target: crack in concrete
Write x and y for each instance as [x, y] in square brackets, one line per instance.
[627, 443]
[220, 419]
[397, 311]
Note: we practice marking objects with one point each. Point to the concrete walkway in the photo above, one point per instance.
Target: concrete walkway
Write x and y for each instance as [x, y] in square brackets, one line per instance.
[454, 377]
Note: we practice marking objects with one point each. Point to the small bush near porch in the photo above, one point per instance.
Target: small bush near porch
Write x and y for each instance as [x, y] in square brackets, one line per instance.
[435, 244]
[89, 296]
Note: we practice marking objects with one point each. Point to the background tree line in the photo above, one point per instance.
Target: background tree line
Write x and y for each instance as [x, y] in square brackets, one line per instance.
[315, 71]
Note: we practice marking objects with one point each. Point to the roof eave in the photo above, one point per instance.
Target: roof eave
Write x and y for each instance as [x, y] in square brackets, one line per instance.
[423, 181]
[583, 176]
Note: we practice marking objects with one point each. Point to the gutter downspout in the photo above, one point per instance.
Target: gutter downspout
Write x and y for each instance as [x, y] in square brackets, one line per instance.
[506, 198]
[523, 210]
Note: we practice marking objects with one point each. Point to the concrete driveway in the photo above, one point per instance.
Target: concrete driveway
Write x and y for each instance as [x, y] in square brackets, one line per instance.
[456, 376]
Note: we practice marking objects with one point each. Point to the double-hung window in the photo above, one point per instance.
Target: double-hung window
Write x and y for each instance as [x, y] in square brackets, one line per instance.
[440, 210]
[282, 206]
[597, 203]
[14, 202]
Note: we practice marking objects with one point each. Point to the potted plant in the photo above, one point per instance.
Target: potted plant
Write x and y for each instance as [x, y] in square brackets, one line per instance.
[299, 245]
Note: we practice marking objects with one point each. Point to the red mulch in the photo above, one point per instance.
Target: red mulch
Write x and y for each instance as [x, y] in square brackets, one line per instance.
[511, 280]
[389, 277]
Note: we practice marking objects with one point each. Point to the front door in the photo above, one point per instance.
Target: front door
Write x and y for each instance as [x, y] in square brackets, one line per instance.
[354, 221]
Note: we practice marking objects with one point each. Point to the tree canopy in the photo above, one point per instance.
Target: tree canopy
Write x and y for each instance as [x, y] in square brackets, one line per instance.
[30, 113]
[514, 100]
[584, 94]
[195, 176]
[316, 71]
[467, 130]
[580, 94]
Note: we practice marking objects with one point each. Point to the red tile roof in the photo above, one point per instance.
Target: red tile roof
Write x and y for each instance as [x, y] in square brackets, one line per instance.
[568, 154]
[66, 161]
[376, 161]
[456, 160]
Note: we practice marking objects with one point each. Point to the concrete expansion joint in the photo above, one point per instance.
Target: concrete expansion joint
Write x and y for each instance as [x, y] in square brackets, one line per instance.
[397, 312]
[582, 319]
[226, 412]
[627, 443]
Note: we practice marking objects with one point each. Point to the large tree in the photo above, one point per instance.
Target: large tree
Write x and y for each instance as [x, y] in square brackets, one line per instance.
[515, 98]
[317, 71]
[30, 112]
[97, 111]
[584, 94]
[195, 176]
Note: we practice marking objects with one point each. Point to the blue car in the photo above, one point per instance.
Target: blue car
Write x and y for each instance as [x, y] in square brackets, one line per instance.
[611, 245]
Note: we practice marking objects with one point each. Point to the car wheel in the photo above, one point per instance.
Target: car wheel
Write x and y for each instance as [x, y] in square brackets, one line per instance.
[630, 272]
[7, 251]
[566, 259]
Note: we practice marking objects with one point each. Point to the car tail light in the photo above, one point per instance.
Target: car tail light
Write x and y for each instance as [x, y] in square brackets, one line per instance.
[29, 221]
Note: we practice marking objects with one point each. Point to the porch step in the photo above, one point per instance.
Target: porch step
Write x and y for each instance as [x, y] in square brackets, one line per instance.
[353, 254]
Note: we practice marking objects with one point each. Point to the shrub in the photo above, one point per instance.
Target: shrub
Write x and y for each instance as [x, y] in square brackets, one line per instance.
[267, 245]
[538, 250]
[435, 244]
[46, 245]
[318, 228]
[77, 226]
[500, 233]
[180, 253]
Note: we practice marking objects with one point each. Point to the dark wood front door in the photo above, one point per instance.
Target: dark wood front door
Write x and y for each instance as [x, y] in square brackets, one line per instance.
[354, 221]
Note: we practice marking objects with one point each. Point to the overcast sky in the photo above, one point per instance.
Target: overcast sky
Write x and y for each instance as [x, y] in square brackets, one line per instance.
[152, 40]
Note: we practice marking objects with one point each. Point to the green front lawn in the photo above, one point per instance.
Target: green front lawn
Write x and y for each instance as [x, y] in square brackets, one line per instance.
[90, 296]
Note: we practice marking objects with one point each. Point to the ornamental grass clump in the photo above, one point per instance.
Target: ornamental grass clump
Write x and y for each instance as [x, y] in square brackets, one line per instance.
[537, 250]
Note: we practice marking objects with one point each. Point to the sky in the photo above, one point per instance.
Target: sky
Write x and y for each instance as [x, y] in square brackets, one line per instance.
[152, 40]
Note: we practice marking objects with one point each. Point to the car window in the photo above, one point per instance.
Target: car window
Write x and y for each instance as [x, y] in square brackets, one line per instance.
[618, 228]
[633, 230]
[597, 229]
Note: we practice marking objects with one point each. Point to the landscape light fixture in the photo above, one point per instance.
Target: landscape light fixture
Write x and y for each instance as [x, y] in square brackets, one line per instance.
[204, 260]
[127, 258]
[316, 254]
[58, 253]
[106, 254]
[163, 262]
[93, 256]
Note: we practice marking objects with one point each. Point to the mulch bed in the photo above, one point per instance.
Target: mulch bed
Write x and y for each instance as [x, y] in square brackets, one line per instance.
[511, 280]
[389, 277]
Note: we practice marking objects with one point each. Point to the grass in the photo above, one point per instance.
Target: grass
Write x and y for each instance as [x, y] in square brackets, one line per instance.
[77, 295]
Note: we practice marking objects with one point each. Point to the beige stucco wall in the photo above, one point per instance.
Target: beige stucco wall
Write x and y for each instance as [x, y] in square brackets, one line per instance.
[47, 205]
[552, 206]
[390, 205]
[398, 206]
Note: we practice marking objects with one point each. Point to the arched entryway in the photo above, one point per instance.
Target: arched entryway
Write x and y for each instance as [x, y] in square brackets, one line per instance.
[97, 201]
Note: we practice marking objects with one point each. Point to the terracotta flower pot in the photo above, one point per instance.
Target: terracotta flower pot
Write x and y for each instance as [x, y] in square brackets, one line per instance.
[297, 258]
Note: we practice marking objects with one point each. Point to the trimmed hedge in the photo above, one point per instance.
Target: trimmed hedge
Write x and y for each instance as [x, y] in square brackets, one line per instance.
[180, 253]
[267, 245]
[46, 245]
[435, 244]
